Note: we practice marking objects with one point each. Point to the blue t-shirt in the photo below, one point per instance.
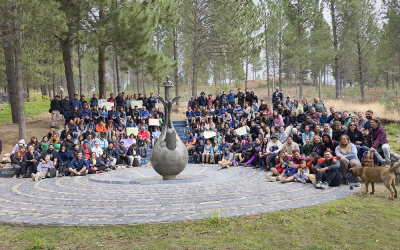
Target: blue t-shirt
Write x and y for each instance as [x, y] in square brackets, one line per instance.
[226, 157]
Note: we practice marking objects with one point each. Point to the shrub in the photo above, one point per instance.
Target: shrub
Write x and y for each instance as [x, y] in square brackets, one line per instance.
[37, 97]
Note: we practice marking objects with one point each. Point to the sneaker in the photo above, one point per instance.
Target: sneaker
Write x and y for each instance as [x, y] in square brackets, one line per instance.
[325, 185]
[37, 176]
[72, 174]
[278, 178]
[270, 178]
[314, 182]
[15, 176]
[21, 177]
[319, 185]
[59, 175]
[358, 184]
[345, 182]
[283, 180]
[82, 174]
[99, 172]
[303, 181]
[107, 169]
[33, 176]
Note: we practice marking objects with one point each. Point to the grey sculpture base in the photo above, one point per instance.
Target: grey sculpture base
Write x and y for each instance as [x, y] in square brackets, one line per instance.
[169, 177]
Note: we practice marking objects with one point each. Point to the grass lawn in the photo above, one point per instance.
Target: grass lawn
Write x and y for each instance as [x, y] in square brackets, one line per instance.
[32, 109]
[356, 222]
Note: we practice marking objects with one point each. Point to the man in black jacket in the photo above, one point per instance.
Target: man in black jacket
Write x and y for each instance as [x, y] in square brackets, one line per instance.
[119, 102]
[93, 101]
[55, 109]
[110, 151]
[327, 172]
[198, 152]
[66, 108]
[240, 96]
[30, 161]
[51, 152]
[277, 102]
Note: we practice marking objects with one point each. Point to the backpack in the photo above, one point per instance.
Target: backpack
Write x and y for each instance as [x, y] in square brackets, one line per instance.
[196, 158]
[136, 163]
[51, 173]
[6, 158]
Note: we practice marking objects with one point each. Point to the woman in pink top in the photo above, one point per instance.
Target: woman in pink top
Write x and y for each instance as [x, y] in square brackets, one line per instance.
[268, 112]
[278, 121]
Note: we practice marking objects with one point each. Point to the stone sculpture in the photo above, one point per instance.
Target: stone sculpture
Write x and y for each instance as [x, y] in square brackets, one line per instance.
[169, 156]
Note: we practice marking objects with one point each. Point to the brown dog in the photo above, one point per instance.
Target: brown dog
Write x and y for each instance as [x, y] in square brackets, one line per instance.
[374, 174]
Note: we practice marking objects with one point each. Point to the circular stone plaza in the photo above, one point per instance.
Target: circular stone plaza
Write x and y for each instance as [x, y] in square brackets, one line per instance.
[138, 195]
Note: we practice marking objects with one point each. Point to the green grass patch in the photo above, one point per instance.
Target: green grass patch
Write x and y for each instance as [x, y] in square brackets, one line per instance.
[32, 109]
[358, 221]
[393, 134]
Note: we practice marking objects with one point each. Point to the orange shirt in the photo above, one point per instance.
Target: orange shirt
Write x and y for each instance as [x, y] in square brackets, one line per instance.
[100, 128]
[191, 143]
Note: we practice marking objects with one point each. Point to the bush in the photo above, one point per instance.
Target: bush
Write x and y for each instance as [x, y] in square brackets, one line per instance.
[391, 101]
[39, 98]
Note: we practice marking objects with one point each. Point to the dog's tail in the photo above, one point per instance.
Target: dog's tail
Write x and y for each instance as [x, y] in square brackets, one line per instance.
[392, 169]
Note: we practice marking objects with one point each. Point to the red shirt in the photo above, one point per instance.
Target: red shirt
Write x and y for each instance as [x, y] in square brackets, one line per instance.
[145, 135]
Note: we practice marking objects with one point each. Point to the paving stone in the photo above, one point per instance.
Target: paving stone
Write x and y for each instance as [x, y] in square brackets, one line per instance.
[133, 196]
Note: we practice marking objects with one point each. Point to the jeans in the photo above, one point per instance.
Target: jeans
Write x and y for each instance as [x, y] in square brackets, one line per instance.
[347, 164]
[361, 150]
[17, 169]
[66, 115]
[386, 151]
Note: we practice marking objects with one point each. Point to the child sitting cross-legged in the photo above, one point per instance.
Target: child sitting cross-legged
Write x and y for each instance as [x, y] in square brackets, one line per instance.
[288, 174]
[303, 173]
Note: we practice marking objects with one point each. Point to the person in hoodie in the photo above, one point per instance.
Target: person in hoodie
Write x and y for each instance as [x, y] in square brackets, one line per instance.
[66, 108]
[378, 143]
[86, 113]
[43, 168]
[347, 118]
[198, 152]
[64, 158]
[328, 145]
[17, 146]
[273, 148]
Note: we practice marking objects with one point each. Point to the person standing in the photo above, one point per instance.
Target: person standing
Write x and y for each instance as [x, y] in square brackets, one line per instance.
[66, 108]
[75, 103]
[119, 101]
[240, 96]
[55, 109]
[277, 94]
[93, 101]
[151, 102]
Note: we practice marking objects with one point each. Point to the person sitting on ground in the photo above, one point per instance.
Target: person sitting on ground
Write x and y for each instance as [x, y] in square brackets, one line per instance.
[121, 153]
[274, 147]
[323, 118]
[314, 115]
[78, 166]
[198, 152]
[378, 143]
[327, 172]
[51, 152]
[302, 173]
[17, 162]
[63, 158]
[42, 169]
[316, 145]
[347, 155]
[288, 174]
[289, 146]
[96, 165]
[226, 161]
[133, 157]
[112, 157]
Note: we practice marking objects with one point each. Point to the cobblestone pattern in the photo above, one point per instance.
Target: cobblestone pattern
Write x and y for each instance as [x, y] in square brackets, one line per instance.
[98, 200]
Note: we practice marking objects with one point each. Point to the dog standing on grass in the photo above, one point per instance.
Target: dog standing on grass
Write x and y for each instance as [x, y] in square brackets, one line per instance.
[374, 174]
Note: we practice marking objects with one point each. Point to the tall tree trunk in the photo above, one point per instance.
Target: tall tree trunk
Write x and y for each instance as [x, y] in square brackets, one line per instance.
[67, 58]
[143, 81]
[137, 82]
[102, 70]
[324, 75]
[119, 85]
[335, 47]
[247, 72]
[18, 76]
[280, 61]
[10, 70]
[80, 69]
[49, 89]
[195, 47]
[266, 58]
[27, 90]
[175, 31]
[300, 61]
[392, 81]
[114, 73]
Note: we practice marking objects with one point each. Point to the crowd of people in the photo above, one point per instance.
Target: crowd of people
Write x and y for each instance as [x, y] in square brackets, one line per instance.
[91, 140]
[296, 141]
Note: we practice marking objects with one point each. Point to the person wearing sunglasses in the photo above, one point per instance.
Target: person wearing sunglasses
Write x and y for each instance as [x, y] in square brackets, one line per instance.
[337, 131]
